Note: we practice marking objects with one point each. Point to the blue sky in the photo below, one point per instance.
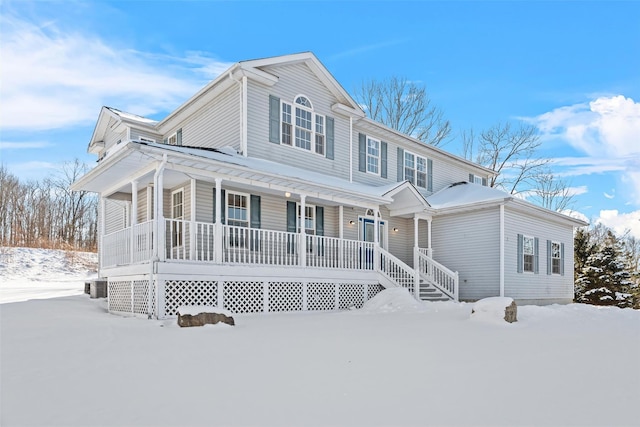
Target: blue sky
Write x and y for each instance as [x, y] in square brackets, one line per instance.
[570, 68]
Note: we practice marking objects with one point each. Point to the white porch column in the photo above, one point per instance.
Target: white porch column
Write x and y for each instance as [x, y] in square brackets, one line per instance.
[218, 237]
[303, 236]
[159, 214]
[341, 236]
[101, 232]
[376, 238]
[134, 217]
[429, 248]
[501, 250]
[192, 224]
[416, 260]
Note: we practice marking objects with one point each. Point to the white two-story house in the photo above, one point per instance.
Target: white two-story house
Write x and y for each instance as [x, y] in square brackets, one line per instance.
[270, 190]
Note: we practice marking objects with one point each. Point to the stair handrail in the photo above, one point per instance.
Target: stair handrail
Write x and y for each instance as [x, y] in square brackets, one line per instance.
[442, 278]
[395, 270]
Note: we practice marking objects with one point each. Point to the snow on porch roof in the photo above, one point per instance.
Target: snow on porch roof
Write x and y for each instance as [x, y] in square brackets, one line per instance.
[134, 154]
[228, 155]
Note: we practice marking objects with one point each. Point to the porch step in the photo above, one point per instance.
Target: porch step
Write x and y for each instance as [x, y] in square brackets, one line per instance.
[429, 293]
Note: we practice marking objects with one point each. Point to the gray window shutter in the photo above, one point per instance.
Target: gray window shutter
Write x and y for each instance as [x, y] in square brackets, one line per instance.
[255, 211]
[330, 137]
[291, 226]
[536, 258]
[562, 259]
[291, 217]
[165, 141]
[179, 137]
[470, 177]
[274, 119]
[429, 175]
[520, 250]
[362, 152]
[549, 258]
[319, 221]
[383, 159]
[400, 164]
[484, 181]
[223, 199]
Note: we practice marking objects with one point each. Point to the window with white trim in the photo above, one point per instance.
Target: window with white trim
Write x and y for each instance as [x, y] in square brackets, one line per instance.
[415, 169]
[177, 214]
[477, 179]
[237, 209]
[308, 131]
[528, 253]
[556, 257]
[173, 139]
[373, 156]
[237, 216]
[309, 219]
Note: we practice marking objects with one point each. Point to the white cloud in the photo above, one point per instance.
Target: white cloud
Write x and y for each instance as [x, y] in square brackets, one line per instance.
[606, 130]
[54, 78]
[621, 222]
[610, 196]
[12, 145]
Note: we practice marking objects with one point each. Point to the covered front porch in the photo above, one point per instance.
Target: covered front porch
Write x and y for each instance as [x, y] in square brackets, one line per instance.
[183, 213]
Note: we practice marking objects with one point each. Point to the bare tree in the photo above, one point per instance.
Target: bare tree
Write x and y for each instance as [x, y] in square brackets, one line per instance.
[405, 106]
[510, 151]
[551, 192]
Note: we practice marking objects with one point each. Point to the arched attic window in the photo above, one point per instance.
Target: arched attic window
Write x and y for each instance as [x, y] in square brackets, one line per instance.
[308, 130]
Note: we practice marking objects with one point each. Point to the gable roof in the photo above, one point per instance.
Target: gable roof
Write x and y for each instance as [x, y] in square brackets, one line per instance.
[109, 114]
[316, 67]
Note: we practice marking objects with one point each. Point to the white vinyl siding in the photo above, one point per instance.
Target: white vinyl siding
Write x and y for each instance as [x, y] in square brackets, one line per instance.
[470, 244]
[536, 287]
[216, 124]
[446, 170]
[293, 79]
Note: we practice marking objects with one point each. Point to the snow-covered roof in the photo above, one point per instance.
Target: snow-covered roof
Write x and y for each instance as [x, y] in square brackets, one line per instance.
[468, 196]
[130, 117]
[465, 193]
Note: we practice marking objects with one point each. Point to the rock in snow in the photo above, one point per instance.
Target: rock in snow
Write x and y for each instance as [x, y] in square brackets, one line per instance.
[495, 308]
[197, 315]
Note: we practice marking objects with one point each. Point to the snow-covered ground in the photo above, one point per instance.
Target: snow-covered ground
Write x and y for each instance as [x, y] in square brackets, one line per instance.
[67, 362]
[27, 273]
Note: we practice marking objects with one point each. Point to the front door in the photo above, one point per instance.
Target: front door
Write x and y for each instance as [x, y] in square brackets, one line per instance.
[367, 231]
[367, 234]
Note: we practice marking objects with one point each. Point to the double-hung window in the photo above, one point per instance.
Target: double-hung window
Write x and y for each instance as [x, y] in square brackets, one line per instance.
[415, 169]
[237, 209]
[173, 139]
[237, 216]
[302, 127]
[373, 156]
[528, 253]
[556, 258]
[309, 219]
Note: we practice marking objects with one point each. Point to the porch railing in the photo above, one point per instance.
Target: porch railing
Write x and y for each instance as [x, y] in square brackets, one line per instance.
[256, 246]
[116, 248]
[143, 241]
[438, 275]
[187, 240]
[332, 252]
[397, 271]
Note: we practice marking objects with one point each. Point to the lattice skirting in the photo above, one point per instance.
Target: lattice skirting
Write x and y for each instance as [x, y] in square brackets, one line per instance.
[241, 296]
[130, 295]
